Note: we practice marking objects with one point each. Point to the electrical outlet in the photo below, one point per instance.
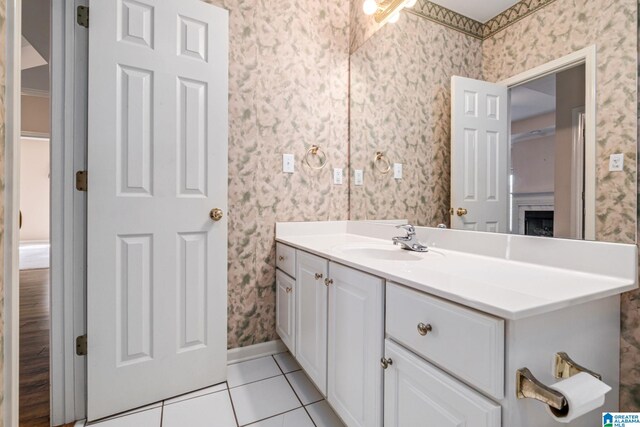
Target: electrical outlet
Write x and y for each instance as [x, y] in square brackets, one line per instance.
[358, 177]
[337, 176]
[616, 163]
[397, 170]
[288, 163]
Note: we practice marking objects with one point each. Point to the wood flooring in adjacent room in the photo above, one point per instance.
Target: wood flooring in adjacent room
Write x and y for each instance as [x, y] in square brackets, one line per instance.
[34, 348]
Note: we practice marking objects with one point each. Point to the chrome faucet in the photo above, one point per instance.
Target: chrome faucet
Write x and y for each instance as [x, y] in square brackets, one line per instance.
[409, 242]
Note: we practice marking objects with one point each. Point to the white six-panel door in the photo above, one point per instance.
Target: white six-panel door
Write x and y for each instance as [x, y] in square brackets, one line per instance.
[157, 166]
[479, 155]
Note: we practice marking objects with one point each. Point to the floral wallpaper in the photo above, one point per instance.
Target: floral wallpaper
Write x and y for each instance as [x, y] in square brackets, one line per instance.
[400, 105]
[3, 10]
[288, 89]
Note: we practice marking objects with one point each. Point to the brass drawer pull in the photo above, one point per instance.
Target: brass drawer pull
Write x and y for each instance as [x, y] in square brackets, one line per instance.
[424, 329]
[385, 363]
[289, 290]
[328, 281]
[280, 258]
[319, 276]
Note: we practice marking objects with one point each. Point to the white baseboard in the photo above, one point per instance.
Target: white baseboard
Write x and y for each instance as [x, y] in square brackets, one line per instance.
[255, 351]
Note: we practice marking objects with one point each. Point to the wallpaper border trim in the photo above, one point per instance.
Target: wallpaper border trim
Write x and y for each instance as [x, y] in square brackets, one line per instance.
[441, 15]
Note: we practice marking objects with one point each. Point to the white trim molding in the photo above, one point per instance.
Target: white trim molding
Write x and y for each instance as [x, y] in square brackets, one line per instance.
[588, 57]
[241, 354]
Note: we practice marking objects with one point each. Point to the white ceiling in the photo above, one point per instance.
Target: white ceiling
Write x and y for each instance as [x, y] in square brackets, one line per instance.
[480, 10]
[534, 98]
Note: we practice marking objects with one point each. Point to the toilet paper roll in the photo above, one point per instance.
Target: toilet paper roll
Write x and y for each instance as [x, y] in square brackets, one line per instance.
[583, 392]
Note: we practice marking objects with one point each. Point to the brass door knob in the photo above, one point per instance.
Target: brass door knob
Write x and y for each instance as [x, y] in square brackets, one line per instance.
[328, 282]
[319, 276]
[424, 329]
[462, 212]
[216, 214]
[385, 363]
[289, 290]
[280, 258]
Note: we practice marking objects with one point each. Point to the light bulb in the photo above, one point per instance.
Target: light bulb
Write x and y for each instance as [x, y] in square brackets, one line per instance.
[370, 7]
[410, 3]
[394, 18]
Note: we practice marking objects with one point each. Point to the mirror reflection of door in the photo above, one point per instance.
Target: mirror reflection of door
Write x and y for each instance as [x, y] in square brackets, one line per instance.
[544, 165]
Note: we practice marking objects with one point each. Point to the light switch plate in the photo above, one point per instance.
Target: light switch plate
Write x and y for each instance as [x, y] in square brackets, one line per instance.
[397, 170]
[616, 163]
[288, 163]
[358, 177]
[337, 176]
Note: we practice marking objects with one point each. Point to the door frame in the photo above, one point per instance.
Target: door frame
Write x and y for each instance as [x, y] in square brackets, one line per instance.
[11, 279]
[68, 136]
[588, 57]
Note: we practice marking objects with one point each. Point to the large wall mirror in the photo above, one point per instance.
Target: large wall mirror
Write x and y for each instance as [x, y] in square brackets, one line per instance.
[438, 136]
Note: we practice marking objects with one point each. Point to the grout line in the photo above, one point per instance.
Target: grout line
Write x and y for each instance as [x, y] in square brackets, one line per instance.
[272, 416]
[162, 414]
[256, 381]
[294, 392]
[233, 407]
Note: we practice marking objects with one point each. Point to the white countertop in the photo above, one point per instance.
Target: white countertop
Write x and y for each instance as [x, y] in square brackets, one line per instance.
[506, 288]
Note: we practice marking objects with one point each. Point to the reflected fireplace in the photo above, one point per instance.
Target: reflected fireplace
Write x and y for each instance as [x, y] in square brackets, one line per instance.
[538, 223]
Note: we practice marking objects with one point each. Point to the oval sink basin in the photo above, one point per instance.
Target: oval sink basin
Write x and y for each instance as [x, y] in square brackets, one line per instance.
[384, 252]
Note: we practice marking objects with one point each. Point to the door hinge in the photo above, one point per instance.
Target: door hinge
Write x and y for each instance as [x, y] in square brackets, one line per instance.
[81, 345]
[83, 16]
[81, 180]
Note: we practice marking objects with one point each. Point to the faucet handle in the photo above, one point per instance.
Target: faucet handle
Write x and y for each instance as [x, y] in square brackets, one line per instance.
[410, 229]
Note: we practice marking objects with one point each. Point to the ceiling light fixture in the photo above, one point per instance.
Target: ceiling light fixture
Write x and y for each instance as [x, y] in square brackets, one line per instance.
[386, 10]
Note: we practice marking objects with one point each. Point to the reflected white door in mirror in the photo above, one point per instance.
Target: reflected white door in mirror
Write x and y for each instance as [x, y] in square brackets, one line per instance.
[523, 151]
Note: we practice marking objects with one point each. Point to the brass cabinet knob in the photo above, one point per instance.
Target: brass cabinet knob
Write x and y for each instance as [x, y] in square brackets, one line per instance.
[319, 276]
[280, 258]
[424, 329]
[385, 363]
[216, 214]
[462, 212]
[289, 290]
[328, 281]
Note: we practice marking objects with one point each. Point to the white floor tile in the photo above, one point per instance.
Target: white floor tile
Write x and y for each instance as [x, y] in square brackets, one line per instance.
[150, 418]
[263, 399]
[297, 418]
[323, 415]
[211, 410]
[204, 391]
[286, 362]
[304, 388]
[252, 370]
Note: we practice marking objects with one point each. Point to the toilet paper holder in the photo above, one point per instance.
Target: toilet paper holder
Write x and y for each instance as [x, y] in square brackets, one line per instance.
[528, 386]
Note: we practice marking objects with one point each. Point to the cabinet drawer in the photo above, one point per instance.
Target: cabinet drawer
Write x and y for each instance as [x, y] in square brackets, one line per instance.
[286, 259]
[465, 342]
[419, 394]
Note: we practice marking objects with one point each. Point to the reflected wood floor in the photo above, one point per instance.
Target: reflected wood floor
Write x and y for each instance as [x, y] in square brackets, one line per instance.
[34, 348]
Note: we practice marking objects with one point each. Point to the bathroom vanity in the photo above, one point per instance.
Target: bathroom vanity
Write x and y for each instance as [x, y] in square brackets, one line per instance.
[398, 338]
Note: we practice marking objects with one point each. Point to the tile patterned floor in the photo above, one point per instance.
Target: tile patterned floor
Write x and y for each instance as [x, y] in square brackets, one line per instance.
[267, 392]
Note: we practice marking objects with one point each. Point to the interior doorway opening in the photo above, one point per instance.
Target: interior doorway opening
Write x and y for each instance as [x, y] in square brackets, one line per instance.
[34, 217]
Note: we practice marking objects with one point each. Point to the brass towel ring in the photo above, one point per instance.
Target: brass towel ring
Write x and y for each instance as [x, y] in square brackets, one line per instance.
[379, 159]
[316, 151]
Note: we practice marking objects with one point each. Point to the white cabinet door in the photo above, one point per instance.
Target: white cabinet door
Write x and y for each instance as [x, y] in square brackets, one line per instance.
[311, 317]
[157, 157]
[285, 309]
[418, 394]
[479, 155]
[356, 341]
